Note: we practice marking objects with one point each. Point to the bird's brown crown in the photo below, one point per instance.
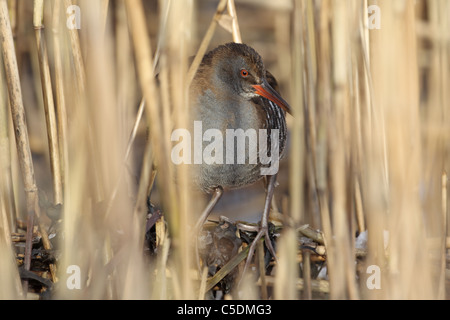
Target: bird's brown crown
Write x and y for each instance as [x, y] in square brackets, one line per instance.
[234, 49]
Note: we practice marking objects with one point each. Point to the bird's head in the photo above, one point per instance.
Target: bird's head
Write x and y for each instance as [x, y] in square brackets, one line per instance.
[239, 68]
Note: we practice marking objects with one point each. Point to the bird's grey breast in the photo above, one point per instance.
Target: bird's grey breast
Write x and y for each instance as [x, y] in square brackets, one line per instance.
[234, 119]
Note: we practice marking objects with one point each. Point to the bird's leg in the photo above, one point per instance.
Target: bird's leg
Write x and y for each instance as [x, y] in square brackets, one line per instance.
[264, 229]
[218, 191]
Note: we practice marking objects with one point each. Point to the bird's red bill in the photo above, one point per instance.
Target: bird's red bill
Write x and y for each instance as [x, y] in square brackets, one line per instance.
[268, 92]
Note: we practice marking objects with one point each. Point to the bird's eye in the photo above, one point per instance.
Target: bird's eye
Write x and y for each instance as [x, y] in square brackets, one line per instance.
[244, 73]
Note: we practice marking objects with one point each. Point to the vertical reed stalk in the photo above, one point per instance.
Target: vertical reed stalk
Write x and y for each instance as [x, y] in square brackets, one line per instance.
[49, 106]
[6, 183]
[234, 24]
[394, 47]
[61, 110]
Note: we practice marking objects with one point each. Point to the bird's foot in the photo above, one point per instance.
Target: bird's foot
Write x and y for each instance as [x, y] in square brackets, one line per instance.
[263, 232]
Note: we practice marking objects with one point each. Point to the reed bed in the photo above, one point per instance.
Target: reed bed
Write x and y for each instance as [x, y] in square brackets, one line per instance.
[91, 206]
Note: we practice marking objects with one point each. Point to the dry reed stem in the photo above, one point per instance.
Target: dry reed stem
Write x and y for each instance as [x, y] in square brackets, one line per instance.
[202, 290]
[20, 128]
[310, 115]
[9, 277]
[77, 56]
[80, 73]
[146, 76]
[394, 47]
[51, 123]
[323, 106]
[307, 295]
[117, 184]
[177, 63]
[49, 107]
[338, 148]
[177, 204]
[297, 128]
[444, 203]
[205, 41]
[285, 275]
[373, 160]
[234, 22]
[287, 268]
[104, 15]
[61, 110]
[262, 270]
[6, 182]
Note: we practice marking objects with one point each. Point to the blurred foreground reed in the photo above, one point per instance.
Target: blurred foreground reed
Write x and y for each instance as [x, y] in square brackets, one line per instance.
[368, 151]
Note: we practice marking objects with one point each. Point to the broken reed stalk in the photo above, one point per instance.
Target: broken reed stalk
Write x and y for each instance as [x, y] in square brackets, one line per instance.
[49, 106]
